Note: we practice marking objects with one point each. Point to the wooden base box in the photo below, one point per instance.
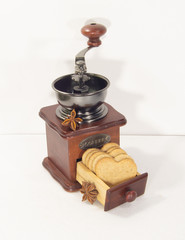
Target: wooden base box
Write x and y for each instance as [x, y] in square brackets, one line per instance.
[66, 147]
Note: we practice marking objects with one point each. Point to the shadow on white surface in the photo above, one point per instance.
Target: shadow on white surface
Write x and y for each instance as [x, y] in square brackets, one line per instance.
[141, 204]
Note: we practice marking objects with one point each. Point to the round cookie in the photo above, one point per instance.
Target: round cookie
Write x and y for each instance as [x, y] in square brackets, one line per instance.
[89, 155]
[86, 153]
[121, 157]
[92, 157]
[112, 148]
[107, 146]
[98, 158]
[112, 172]
[116, 152]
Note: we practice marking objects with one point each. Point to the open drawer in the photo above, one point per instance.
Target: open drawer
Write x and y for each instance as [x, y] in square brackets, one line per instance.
[111, 197]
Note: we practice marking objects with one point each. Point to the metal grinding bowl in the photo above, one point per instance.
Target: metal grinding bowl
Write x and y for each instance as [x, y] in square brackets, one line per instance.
[89, 106]
[82, 91]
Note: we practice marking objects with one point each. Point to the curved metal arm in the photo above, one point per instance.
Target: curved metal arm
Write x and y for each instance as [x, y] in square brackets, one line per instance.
[80, 75]
[80, 65]
[82, 53]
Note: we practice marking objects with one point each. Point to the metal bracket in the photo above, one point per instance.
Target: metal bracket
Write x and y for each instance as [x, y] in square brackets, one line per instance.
[80, 68]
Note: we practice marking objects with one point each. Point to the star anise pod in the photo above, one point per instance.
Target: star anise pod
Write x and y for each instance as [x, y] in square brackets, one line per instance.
[89, 192]
[71, 121]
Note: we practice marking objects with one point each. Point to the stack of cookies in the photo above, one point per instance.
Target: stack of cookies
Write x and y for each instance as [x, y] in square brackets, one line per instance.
[110, 163]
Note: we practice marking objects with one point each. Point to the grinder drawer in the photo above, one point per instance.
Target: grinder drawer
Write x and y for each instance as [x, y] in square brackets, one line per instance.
[111, 197]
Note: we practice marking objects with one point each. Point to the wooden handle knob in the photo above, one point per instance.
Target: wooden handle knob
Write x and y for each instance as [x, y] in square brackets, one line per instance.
[93, 31]
[130, 196]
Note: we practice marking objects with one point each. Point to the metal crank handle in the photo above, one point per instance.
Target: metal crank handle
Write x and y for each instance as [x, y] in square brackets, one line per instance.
[93, 31]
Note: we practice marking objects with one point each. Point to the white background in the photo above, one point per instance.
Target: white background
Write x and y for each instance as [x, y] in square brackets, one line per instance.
[143, 55]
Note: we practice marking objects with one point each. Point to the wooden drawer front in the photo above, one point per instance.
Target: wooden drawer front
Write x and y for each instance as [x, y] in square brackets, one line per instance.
[112, 197]
[126, 191]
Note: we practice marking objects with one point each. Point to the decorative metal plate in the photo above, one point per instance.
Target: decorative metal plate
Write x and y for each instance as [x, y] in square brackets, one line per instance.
[94, 141]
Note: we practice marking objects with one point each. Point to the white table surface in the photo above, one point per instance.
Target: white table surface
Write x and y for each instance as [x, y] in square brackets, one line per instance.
[34, 206]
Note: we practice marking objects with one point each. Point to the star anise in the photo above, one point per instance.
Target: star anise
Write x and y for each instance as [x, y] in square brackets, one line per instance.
[71, 121]
[89, 192]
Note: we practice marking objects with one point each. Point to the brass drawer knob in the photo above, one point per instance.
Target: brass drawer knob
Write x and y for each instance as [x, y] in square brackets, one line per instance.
[130, 196]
